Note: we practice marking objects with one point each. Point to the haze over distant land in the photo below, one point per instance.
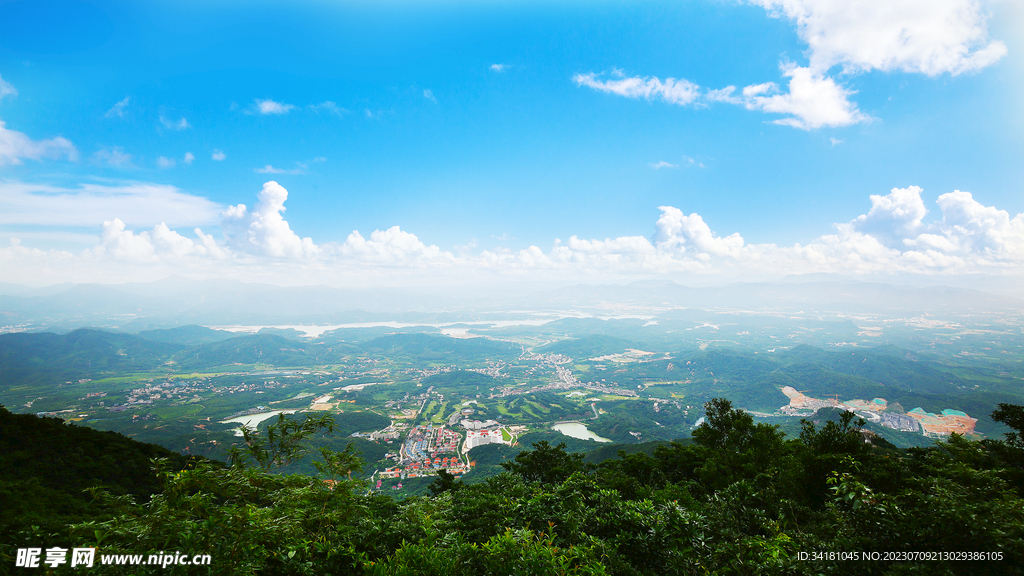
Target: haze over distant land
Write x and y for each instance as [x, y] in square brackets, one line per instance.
[178, 301]
[434, 145]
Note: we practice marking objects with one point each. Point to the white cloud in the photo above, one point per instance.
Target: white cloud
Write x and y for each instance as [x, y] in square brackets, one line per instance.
[175, 124]
[88, 205]
[971, 228]
[160, 243]
[114, 156]
[189, 157]
[271, 107]
[498, 67]
[164, 162]
[429, 95]
[218, 155]
[16, 146]
[38, 260]
[329, 107]
[268, 169]
[893, 217]
[6, 89]
[662, 164]
[813, 101]
[672, 90]
[392, 246]
[264, 230]
[916, 36]
[892, 237]
[118, 109]
[835, 141]
[930, 37]
[677, 231]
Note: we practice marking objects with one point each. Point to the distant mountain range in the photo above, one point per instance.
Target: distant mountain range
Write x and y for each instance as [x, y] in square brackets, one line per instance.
[45, 359]
[178, 301]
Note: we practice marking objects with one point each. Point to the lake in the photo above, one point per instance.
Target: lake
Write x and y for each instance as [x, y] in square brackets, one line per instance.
[577, 430]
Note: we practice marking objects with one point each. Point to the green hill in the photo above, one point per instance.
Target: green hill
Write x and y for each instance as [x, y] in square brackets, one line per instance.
[46, 359]
[45, 465]
[188, 335]
[249, 349]
[442, 349]
[464, 382]
[588, 346]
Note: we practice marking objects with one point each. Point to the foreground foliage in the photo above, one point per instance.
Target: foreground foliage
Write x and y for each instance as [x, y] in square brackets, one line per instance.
[740, 499]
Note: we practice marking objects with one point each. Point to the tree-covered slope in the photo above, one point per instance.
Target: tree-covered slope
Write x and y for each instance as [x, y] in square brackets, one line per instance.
[588, 346]
[46, 465]
[38, 358]
[442, 349]
[187, 335]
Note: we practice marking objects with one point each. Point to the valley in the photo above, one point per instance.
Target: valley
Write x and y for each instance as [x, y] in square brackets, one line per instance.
[395, 389]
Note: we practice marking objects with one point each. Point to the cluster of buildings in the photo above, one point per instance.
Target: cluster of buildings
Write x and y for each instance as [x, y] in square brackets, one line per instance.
[426, 467]
[878, 410]
[493, 369]
[949, 422]
[425, 451]
[476, 438]
[425, 442]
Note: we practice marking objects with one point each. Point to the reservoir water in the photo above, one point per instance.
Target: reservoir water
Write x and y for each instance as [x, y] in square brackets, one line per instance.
[461, 331]
[577, 430]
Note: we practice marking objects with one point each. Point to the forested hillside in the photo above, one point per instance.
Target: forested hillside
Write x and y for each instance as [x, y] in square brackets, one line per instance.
[46, 465]
[742, 498]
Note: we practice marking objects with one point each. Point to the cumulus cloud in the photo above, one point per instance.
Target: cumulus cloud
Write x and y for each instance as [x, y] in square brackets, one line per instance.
[16, 146]
[392, 246]
[218, 155]
[15, 253]
[679, 232]
[813, 101]
[117, 109]
[662, 164]
[269, 106]
[164, 162]
[429, 95]
[933, 37]
[175, 124]
[189, 157]
[893, 236]
[893, 217]
[498, 67]
[114, 156]
[970, 228]
[158, 244]
[674, 91]
[264, 230]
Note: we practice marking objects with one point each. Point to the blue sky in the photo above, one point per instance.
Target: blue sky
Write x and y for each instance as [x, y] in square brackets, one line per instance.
[550, 140]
